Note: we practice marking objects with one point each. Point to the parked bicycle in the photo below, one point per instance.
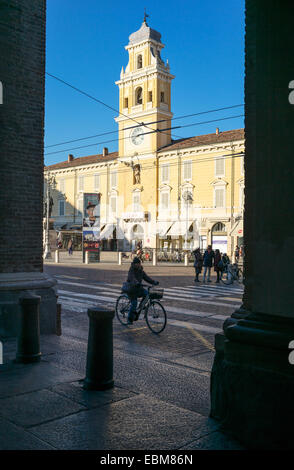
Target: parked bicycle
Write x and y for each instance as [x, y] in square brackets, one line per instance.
[232, 273]
[153, 311]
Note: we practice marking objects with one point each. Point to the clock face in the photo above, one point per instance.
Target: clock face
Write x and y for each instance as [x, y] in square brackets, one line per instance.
[137, 136]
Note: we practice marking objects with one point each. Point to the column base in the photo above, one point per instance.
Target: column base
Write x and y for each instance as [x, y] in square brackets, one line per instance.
[252, 382]
[99, 386]
[12, 287]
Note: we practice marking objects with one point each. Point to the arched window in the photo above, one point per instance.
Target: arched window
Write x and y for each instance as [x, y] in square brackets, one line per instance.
[139, 96]
[138, 231]
[139, 62]
[219, 227]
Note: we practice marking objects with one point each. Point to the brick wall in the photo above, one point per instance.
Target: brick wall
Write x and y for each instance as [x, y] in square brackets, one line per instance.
[22, 67]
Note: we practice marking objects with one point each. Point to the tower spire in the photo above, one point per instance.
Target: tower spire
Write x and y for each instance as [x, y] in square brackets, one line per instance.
[145, 16]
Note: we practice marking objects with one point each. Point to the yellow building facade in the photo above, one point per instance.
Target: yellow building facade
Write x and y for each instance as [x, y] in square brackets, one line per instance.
[169, 194]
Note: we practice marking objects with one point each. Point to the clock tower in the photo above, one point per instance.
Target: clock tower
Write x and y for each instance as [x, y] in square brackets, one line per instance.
[144, 96]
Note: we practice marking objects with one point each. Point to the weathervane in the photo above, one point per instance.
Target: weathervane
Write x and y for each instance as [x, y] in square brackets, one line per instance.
[145, 15]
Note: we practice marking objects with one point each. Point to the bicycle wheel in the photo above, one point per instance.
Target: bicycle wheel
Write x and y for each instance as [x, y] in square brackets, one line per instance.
[155, 317]
[122, 308]
[227, 278]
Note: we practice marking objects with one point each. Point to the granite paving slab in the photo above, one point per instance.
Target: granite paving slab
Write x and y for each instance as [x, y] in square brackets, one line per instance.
[182, 386]
[214, 441]
[90, 398]
[140, 422]
[31, 377]
[34, 408]
[13, 437]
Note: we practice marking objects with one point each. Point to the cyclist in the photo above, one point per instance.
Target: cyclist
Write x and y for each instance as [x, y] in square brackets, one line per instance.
[136, 275]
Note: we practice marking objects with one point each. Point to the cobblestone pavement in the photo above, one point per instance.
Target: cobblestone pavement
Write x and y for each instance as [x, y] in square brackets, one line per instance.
[161, 394]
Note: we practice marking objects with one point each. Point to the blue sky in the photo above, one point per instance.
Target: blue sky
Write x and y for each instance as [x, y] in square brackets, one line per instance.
[204, 43]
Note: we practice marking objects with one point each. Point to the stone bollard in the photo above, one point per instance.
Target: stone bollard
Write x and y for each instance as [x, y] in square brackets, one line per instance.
[154, 257]
[119, 257]
[58, 320]
[86, 257]
[186, 259]
[56, 256]
[28, 341]
[99, 369]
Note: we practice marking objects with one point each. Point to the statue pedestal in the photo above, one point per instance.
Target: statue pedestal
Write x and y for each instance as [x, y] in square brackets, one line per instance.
[12, 288]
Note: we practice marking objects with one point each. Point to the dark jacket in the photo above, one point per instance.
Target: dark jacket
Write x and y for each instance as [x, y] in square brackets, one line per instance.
[208, 258]
[217, 259]
[135, 278]
[198, 261]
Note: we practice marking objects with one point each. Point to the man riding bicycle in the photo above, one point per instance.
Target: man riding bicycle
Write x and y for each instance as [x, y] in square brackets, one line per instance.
[134, 287]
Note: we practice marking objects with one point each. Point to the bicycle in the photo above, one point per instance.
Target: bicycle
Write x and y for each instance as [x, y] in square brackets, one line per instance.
[232, 273]
[154, 312]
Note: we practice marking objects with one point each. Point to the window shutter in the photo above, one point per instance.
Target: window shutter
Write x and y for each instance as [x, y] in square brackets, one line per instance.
[61, 207]
[165, 173]
[113, 204]
[96, 181]
[219, 197]
[61, 186]
[136, 202]
[188, 170]
[164, 200]
[81, 183]
[113, 180]
[219, 166]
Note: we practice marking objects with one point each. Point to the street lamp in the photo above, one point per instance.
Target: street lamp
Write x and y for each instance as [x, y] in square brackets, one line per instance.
[188, 198]
[51, 182]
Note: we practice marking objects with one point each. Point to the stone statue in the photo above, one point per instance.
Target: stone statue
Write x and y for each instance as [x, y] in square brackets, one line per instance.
[136, 174]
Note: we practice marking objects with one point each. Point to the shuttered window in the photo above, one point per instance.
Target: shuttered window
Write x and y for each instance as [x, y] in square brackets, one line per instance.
[165, 173]
[219, 194]
[188, 170]
[220, 167]
[96, 182]
[136, 202]
[113, 204]
[113, 179]
[62, 186]
[81, 183]
[164, 201]
[61, 207]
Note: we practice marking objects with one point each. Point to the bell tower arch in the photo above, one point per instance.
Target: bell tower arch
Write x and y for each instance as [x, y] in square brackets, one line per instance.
[144, 95]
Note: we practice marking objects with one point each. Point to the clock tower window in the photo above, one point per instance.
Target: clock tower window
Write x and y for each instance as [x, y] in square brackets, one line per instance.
[149, 95]
[139, 62]
[162, 97]
[139, 94]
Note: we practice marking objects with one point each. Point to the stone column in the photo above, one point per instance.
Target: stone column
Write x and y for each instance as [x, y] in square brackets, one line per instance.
[252, 380]
[22, 52]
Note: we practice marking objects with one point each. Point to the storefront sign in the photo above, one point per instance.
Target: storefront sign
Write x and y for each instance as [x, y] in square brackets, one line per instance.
[133, 215]
[91, 226]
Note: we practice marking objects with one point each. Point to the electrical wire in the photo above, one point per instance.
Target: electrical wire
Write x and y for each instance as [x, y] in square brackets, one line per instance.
[154, 122]
[145, 133]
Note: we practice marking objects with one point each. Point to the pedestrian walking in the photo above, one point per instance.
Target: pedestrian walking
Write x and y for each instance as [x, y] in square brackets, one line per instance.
[198, 263]
[207, 262]
[237, 252]
[218, 265]
[134, 287]
[241, 252]
[70, 247]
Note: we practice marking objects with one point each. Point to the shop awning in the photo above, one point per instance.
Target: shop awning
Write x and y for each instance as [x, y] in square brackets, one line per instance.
[162, 228]
[178, 228]
[107, 231]
[237, 230]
